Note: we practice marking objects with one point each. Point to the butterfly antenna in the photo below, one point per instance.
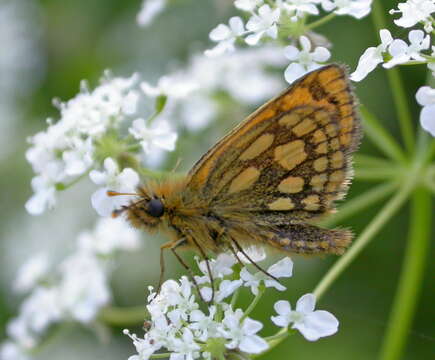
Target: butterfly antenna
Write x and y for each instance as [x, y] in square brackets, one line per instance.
[115, 193]
[117, 212]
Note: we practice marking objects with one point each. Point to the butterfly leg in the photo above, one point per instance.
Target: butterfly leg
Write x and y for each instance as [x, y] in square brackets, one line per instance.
[236, 255]
[239, 248]
[207, 263]
[169, 245]
[189, 270]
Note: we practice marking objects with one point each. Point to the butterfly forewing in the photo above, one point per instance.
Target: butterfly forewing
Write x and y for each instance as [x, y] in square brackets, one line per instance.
[292, 155]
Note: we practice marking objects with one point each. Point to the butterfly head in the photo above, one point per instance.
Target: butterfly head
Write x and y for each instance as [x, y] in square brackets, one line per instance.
[147, 212]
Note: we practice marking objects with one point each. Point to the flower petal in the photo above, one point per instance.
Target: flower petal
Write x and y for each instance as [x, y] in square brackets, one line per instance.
[253, 344]
[306, 304]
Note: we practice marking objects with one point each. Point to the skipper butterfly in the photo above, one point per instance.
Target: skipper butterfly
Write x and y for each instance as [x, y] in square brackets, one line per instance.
[267, 181]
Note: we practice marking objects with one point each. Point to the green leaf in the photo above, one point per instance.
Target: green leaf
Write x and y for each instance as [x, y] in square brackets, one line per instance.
[160, 104]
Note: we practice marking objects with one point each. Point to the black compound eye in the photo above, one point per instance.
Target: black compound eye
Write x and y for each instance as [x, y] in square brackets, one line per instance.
[155, 208]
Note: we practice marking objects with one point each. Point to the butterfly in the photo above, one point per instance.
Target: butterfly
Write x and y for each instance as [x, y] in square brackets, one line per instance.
[268, 181]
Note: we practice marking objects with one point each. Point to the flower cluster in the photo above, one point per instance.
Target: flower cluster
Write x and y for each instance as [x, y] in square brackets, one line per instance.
[283, 19]
[61, 294]
[178, 324]
[418, 50]
[88, 132]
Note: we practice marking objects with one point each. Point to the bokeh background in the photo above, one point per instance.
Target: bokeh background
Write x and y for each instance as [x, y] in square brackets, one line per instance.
[51, 45]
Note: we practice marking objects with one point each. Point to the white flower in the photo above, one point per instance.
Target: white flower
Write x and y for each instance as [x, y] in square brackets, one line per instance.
[41, 309]
[263, 23]
[304, 60]
[65, 149]
[402, 53]
[247, 5]
[78, 159]
[31, 272]
[299, 8]
[149, 11]
[227, 288]
[185, 348]
[44, 196]
[426, 97]
[311, 324]
[220, 267]
[12, 351]
[282, 269]
[109, 235]
[159, 135]
[225, 36]
[45, 146]
[125, 181]
[241, 335]
[372, 57]
[255, 253]
[414, 12]
[84, 288]
[175, 86]
[144, 347]
[355, 8]
[91, 113]
[203, 325]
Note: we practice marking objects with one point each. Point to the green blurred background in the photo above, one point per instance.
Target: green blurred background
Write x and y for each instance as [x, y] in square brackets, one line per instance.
[78, 39]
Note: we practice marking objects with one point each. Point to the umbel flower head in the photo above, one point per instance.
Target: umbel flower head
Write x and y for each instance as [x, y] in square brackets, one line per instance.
[179, 325]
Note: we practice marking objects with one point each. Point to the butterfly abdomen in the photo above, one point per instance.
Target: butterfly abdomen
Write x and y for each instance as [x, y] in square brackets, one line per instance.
[310, 239]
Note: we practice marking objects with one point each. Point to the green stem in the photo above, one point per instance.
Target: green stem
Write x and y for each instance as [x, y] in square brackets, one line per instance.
[62, 186]
[254, 303]
[321, 21]
[397, 88]
[160, 356]
[410, 282]
[370, 231]
[278, 336]
[375, 174]
[117, 316]
[380, 137]
[360, 202]
[234, 298]
[363, 160]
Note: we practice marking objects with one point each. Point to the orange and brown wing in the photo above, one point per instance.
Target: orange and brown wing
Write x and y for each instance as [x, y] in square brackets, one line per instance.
[292, 154]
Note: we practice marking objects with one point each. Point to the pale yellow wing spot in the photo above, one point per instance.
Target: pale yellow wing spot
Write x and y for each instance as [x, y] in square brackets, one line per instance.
[320, 164]
[244, 180]
[318, 181]
[281, 204]
[337, 160]
[311, 202]
[304, 127]
[318, 137]
[289, 120]
[291, 154]
[257, 147]
[321, 148]
[335, 144]
[331, 130]
[291, 185]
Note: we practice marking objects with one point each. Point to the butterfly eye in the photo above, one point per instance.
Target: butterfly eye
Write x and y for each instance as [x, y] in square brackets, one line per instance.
[155, 208]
